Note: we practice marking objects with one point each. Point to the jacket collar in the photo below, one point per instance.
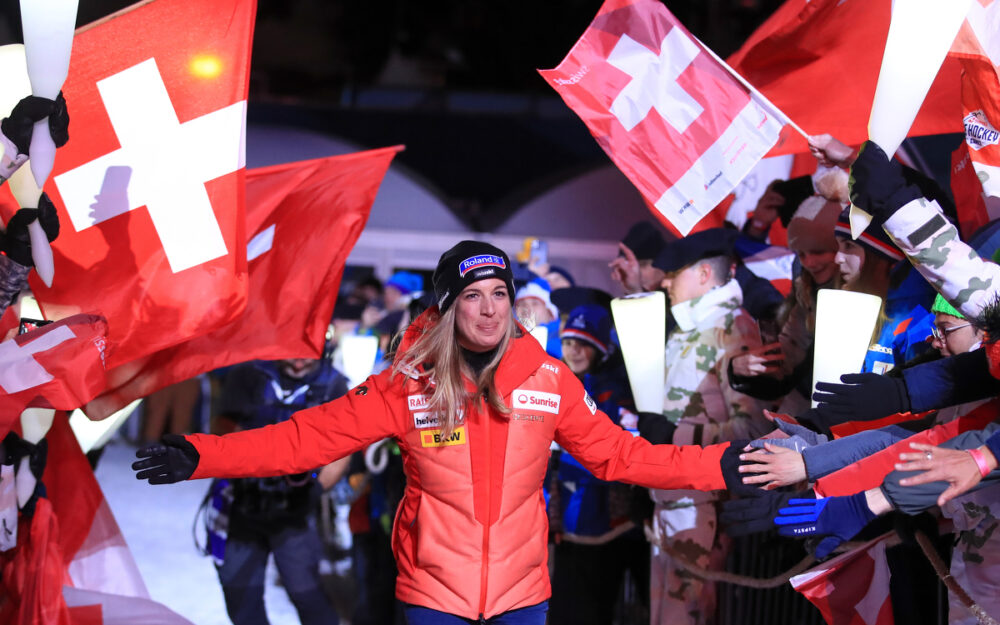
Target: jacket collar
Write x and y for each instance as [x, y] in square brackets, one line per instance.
[704, 311]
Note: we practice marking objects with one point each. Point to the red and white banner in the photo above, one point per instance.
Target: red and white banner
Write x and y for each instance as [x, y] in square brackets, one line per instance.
[977, 49]
[665, 110]
[61, 366]
[801, 56]
[149, 188]
[71, 563]
[304, 219]
[851, 589]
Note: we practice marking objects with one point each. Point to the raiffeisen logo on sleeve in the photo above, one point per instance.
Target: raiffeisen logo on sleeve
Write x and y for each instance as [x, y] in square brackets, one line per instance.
[536, 401]
[477, 262]
[979, 133]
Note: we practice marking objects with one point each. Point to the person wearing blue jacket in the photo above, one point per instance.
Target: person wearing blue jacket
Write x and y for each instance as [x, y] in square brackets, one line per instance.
[596, 538]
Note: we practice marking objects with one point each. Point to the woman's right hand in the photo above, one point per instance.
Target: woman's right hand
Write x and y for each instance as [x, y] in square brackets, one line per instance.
[171, 460]
[763, 360]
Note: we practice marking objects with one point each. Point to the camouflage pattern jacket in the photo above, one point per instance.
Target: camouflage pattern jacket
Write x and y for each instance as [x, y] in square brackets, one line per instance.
[711, 329]
[954, 269]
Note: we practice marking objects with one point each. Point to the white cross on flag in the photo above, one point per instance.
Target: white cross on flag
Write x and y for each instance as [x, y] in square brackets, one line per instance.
[61, 365]
[150, 186]
[665, 109]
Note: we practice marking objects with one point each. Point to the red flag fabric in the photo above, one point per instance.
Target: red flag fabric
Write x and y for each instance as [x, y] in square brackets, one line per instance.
[968, 193]
[61, 366]
[665, 110]
[71, 564]
[149, 188]
[305, 218]
[818, 61]
[977, 50]
[851, 589]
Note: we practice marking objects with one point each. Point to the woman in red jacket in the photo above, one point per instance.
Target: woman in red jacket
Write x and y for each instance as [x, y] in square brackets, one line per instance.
[473, 403]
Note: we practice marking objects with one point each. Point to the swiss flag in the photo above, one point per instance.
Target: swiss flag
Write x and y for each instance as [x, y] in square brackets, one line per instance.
[58, 366]
[851, 589]
[150, 187]
[818, 61]
[304, 219]
[665, 109]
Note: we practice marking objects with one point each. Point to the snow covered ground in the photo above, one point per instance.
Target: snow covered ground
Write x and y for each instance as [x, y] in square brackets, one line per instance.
[157, 522]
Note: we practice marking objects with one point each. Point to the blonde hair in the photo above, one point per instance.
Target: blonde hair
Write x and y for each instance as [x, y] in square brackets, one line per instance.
[444, 369]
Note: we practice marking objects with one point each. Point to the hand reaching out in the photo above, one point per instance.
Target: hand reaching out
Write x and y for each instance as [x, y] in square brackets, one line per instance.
[773, 466]
[830, 152]
[957, 467]
[625, 270]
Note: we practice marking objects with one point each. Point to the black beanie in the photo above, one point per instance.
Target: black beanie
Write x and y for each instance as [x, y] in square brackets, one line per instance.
[468, 262]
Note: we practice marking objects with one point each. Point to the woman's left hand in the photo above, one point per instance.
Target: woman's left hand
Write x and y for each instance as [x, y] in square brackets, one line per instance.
[955, 466]
[775, 466]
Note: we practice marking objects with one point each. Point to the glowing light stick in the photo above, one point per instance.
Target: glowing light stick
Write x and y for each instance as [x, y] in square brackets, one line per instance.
[27, 193]
[640, 320]
[358, 354]
[95, 434]
[35, 424]
[541, 334]
[48, 40]
[14, 78]
[844, 325]
[920, 34]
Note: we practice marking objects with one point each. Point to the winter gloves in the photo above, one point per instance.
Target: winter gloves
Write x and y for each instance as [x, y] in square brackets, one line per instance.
[16, 243]
[877, 183]
[861, 397]
[836, 518]
[171, 460]
[742, 517]
[16, 129]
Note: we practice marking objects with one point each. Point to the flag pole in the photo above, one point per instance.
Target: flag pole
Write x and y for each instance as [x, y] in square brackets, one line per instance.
[743, 81]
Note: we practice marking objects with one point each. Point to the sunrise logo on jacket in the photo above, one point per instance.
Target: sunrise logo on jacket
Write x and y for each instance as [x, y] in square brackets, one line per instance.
[536, 401]
[477, 262]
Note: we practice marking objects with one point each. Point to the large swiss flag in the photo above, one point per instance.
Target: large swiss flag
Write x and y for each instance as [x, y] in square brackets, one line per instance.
[150, 186]
[303, 219]
[665, 110]
[61, 366]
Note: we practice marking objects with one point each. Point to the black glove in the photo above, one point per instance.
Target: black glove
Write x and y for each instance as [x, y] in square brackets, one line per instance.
[861, 397]
[751, 515]
[16, 242]
[656, 428]
[19, 125]
[730, 464]
[171, 460]
[877, 185]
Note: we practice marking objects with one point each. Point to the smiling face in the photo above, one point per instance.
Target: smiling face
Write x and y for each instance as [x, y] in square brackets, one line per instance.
[482, 314]
[578, 355]
[850, 259]
[819, 263]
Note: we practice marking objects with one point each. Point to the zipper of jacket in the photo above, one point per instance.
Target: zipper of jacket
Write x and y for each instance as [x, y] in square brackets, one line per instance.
[483, 577]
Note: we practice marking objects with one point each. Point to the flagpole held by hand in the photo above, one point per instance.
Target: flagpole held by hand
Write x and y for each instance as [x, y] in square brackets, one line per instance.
[920, 34]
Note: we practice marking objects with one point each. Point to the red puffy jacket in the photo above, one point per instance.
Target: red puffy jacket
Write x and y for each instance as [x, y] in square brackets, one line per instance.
[470, 533]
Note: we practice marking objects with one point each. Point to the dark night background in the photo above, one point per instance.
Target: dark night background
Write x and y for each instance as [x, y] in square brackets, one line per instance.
[455, 81]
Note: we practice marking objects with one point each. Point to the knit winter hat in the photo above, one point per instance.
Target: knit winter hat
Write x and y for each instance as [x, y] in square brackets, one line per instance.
[406, 282]
[811, 227]
[538, 289]
[942, 306]
[590, 324]
[874, 239]
[468, 262]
